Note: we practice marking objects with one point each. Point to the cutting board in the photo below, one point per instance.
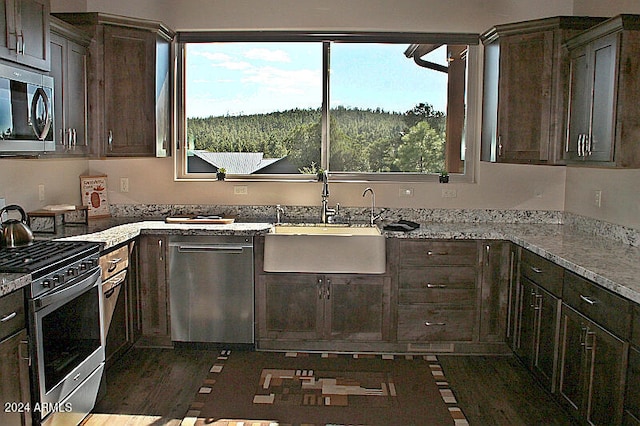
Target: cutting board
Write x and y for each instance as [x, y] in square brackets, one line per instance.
[191, 219]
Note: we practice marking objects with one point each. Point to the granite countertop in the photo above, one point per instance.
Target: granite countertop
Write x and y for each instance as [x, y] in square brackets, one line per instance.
[609, 263]
[12, 282]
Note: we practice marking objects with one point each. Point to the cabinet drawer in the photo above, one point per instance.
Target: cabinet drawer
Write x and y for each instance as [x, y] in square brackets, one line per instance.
[11, 313]
[438, 285]
[598, 304]
[114, 261]
[543, 272]
[426, 322]
[433, 253]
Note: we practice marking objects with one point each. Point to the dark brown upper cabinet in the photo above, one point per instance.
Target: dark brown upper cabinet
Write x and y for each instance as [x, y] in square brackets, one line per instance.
[69, 57]
[526, 75]
[24, 32]
[130, 85]
[603, 125]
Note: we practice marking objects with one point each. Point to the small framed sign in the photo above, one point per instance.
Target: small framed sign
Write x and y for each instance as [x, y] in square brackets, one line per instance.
[94, 195]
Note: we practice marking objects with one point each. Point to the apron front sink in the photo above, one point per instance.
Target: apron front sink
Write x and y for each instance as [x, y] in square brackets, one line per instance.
[325, 249]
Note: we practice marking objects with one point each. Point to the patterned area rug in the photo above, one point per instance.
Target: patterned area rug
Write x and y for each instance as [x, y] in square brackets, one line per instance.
[313, 389]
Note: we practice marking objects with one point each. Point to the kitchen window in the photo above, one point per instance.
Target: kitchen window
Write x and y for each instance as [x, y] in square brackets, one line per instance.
[363, 106]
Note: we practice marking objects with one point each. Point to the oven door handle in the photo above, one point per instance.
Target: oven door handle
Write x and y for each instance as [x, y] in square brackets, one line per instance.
[73, 287]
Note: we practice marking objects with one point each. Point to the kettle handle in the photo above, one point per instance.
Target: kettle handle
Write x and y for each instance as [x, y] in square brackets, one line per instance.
[23, 219]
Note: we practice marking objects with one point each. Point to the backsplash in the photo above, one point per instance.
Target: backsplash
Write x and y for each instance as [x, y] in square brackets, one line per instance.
[603, 229]
[346, 215]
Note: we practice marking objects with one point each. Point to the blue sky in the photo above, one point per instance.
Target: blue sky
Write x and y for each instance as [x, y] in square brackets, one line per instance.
[250, 78]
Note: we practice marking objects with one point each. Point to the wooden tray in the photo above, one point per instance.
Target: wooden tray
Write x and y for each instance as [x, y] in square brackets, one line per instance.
[192, 219]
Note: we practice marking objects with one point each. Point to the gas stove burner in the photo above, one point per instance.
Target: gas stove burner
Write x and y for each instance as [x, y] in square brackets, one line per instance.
[42, 254]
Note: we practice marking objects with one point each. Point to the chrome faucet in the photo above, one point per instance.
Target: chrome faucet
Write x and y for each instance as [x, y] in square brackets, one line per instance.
[327, 214]
[373, 217]
[279, 213]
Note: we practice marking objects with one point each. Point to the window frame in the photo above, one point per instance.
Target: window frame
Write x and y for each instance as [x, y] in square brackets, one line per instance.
[472, 90]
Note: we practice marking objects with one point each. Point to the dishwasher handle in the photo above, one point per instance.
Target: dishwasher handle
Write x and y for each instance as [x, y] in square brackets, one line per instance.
[217, 248]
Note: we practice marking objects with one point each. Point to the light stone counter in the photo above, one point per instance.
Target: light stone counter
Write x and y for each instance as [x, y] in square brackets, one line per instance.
[119, 234]
[12, 282]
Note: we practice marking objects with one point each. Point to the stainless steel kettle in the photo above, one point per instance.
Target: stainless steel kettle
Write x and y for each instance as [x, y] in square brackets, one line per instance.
[15, 233]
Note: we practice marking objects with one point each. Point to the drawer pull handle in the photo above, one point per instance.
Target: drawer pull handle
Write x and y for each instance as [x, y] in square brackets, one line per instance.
[436, 286]
[536, 270]
[588, 299]
[11, 316]
[440, 253]
[113, 264]
[429, 324]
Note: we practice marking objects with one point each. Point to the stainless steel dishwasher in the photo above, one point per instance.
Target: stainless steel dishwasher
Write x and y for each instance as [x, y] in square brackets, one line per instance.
[211, 289]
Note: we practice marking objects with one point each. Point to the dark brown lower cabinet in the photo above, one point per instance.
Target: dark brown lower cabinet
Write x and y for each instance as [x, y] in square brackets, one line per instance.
[592, 369]
[153, 291]
[632, 396]
[14, 386]
[536, 335]
[288, 306]
[323, 307]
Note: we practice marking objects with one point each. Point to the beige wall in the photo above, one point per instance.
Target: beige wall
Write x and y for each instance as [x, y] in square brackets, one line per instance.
[503, 187]
[497, 186]
[19, 181]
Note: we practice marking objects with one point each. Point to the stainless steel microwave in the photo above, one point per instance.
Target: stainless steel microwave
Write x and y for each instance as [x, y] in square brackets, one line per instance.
[26, 111]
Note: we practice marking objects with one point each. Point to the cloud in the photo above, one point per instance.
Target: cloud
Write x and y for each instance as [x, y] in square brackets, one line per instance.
[234, 65]
[284, 81]
[268, 55]
[212, 56]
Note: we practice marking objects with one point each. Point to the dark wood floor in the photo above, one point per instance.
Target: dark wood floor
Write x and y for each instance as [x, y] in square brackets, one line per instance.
[151, 387]
[156, 386]
[498, 390]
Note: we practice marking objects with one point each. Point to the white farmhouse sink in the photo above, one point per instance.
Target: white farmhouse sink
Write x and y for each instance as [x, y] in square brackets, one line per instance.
[324, 249]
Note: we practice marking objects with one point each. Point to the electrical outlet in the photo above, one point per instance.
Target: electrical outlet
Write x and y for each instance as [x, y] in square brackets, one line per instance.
[597, 198]
[124, 184]
[449, 193]
[41, 192]
[405, 192]
[240, 190]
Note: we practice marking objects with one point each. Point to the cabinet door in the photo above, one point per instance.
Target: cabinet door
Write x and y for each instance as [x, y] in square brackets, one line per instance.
[525, 331]
[526, 65]
[68, 69]
[604, 56]
[606, 389]
[592, 106]
[579, 105]
[32, 18]
[357, 307]
[547, 312]
[7, 29]
[632, 396]
[129, 84]
[592, 369]
[494, 289]
[290, 306]
[76, 95]
[153, 289]
[14, 386]
[574, 372]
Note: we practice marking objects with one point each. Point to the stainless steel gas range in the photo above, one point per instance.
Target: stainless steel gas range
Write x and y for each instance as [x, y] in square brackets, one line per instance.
[66, 337]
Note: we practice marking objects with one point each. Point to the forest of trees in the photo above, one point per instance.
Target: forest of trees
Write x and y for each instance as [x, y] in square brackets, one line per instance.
[361, 140]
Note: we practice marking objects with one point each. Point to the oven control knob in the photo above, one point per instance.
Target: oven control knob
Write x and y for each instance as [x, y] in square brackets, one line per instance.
[57, 279]
[72, 272]
[47, 283]
[83, 266]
